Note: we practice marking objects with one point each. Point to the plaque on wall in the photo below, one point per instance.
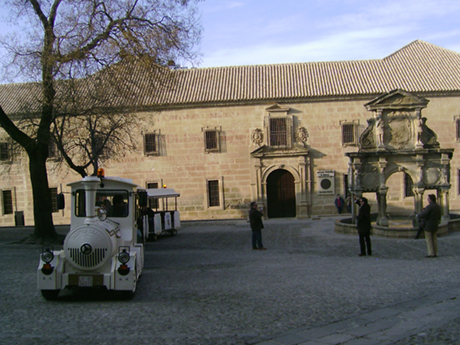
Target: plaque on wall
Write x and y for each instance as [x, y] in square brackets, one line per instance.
[326, 184]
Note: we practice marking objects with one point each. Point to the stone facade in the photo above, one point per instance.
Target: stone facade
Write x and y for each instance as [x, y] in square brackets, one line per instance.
[249, 158]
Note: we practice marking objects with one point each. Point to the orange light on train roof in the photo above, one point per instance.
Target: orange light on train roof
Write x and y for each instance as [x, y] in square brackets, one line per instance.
[100, 172]
[164, 186]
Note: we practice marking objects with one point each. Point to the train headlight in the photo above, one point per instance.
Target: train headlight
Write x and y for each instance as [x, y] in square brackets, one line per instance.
[123, 256]
[47, 255]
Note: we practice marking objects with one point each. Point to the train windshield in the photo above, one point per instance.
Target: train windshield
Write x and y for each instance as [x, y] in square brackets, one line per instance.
[113, 202]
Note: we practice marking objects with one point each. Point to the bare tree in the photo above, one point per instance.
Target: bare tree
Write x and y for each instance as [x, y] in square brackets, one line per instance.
[65, 46]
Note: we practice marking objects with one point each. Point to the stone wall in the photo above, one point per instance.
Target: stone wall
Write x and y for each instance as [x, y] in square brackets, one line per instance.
[184, 165]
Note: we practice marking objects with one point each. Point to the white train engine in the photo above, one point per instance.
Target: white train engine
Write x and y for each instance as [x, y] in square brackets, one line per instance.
[102, 248]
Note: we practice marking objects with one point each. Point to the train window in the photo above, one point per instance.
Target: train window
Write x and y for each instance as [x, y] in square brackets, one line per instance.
[114, 202]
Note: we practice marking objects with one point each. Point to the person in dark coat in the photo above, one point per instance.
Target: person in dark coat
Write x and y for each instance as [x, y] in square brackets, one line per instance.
[432, 215]
[339, 203]
[255, 220]
[364, 227]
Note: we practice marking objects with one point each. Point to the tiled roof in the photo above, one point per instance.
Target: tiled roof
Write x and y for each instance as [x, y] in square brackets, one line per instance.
[419, 67]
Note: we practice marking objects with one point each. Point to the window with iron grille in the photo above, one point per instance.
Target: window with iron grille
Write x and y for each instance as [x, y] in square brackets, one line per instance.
[54, 205]
[52, 150]
[278, 131]
[212, 140]
[151, 143]
[153, 203]
[213, 193]
[99, 147]
[458, 181]
[348, 134]
[7, 202]
[408, 186]
[4, 152]
[457, 127]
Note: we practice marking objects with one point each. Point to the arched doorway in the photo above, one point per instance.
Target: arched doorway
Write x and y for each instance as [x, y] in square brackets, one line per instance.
[281, 194]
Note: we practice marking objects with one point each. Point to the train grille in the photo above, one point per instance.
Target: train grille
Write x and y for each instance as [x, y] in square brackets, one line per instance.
[96, 257]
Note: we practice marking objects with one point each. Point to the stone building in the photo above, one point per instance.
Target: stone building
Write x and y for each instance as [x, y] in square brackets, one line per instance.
[284, 135]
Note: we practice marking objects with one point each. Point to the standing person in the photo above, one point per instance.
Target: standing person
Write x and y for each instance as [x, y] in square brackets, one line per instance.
[364, 227]
[255, 220]
[348, 202]
[432, 215]
[339, 203]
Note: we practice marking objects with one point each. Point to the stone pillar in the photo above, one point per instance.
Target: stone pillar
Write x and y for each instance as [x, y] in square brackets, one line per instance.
[356, 186]
[418, 202]
[302, 203]
[382, 193]
[445, 205]
[445, 186]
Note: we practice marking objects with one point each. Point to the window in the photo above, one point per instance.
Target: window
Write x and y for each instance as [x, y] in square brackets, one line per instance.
[211, 139]
[458, 181]
[4, 152]
[152, 143]
[52, 150]
[7, 202]
[54, 200]
[348, 134]
[278, 131]
[153, 203]
[457, 128]
[114, 202]
[99, 148]
[408, 186]
[213, 193]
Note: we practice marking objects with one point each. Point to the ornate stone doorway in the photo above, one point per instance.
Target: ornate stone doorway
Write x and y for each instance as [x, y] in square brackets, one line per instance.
[281, 194]
[398, 139]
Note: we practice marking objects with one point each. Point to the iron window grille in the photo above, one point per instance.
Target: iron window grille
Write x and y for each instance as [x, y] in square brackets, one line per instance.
[213, 193]
[152, 143]
[5, 154]
[7, 197]
[153, 203]
[212, 139]
[279, 132]
[54, 205]
[457, 129]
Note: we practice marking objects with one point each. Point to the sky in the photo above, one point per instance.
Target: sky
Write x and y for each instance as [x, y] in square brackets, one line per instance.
[253, 32]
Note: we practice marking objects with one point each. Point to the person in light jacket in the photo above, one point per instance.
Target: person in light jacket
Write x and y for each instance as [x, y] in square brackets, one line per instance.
[432, 215]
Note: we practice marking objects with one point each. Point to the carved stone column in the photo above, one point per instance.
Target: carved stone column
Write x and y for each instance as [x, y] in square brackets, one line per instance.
[445, 186]
[302, 208]
[382, 193]
[356, 188]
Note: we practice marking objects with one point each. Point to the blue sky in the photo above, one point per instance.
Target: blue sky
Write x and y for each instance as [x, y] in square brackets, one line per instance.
[250, 32]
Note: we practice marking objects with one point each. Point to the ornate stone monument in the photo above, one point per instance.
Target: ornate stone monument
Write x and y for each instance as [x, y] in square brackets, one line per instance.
[397, 138]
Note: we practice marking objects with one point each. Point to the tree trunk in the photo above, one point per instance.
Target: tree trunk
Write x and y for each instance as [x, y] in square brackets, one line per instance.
[44, 228]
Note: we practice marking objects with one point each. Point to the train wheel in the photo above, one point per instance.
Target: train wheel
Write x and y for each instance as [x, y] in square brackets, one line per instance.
[50, 294]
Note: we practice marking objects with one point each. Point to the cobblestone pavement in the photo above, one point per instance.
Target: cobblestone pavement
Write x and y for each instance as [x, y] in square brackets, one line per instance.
[207, 286]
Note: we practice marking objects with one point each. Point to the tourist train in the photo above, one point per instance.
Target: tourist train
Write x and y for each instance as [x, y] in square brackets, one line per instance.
[111, 220]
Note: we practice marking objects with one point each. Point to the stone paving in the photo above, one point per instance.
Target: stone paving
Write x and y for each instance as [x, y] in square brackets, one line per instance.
[207, 286]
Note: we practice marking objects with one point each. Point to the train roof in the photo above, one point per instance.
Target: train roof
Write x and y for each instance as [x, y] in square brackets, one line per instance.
[110, 179]
[161, 193]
